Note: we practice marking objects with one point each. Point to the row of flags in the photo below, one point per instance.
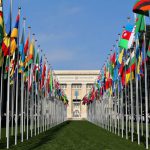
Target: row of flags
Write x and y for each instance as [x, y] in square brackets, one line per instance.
[22, 56]
[127, 60]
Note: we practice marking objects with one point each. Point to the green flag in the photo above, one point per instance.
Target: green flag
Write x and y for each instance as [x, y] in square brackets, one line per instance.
[37, 66]
[148, 52]
[51, 82]
[140, 24]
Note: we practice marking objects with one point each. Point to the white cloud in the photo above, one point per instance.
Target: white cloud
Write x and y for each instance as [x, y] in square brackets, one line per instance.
[72, 10]
[60, 55]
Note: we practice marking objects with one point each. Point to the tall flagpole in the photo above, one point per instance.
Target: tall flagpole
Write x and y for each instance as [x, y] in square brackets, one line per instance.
[28, 92]
[22, 93]
[16, 116]
[141, 109]
[1, 93]
[1, 97]
[146, 93]
[8, 84]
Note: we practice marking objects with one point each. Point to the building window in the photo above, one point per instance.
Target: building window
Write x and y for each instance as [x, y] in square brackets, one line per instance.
[89, 86]
[63, 86]
[76, 86]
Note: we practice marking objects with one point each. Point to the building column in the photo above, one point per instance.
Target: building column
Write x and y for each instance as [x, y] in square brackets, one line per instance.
[83, 107]
[69, 108]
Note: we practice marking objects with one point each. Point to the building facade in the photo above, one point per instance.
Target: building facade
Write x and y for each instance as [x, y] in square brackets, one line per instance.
[76, 84]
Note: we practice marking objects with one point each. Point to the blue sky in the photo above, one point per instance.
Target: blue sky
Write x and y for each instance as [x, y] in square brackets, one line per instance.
[75, 34]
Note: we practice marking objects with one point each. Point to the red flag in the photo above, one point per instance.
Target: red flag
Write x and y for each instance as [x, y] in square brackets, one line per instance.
[26, 47]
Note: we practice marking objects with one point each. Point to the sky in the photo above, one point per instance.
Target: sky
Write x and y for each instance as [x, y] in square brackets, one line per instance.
[74, 34]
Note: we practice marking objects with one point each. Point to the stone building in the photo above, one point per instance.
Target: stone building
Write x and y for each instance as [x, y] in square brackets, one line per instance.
[76, 84]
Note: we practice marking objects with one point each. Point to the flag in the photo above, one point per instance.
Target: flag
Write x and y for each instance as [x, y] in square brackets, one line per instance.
[127, 37]
[142, 7]
[37, 66]
[30, 56]
[121, 56]
[26, 47]
[14, 33]
[6, 45]
[51, 82]
[21, 51]
[1, 23]
[140, 24]
[148, 52]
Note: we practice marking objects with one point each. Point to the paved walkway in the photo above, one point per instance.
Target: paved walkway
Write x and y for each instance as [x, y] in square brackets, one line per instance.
[77, 135]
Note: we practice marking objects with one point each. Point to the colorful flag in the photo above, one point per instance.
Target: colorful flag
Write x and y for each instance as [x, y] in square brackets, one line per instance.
[148, 52]
[121, 56]
[22, 55]
[14, 33]
[30, 56]
[26, 47]
[127, 37]
[142, 7]
[140, 24]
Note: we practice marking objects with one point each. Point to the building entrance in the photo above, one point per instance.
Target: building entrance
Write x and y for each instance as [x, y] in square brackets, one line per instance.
[76, 109]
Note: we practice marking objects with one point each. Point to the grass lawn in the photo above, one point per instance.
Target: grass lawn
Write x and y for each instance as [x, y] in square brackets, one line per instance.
[75, 135]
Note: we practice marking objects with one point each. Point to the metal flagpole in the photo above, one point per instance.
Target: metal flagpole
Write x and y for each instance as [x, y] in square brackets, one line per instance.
[28, 94]
[16, 115]
[146, 94]
[141, 105]
[22, 94]
[35, 99]
[137, 102]
[12, 110]
[132, 110]
[1, 98]
[8, 85]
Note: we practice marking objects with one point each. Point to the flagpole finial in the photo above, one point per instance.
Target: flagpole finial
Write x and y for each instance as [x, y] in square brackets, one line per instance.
[128, 18]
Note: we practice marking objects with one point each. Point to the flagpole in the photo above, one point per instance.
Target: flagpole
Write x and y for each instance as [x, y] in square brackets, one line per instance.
[1, 98]
[8, 83]
[146, 93]
[28, 94]
[137, 101]
[12, 110]
[141, 110]
[16, 116]
[35, 105]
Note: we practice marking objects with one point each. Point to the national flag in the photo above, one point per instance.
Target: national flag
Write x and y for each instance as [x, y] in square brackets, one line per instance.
[26, 47]
[14, 33]
[142, 7]
[30, 56]
[37, 66]
[22, 55]
[51, 82]
[121, 56]
[148, 52]
[140, 24]
[6, 45]
[127, 37]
